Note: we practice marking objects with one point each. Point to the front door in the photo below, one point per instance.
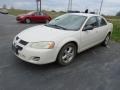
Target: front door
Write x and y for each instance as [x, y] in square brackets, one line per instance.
[90, 37]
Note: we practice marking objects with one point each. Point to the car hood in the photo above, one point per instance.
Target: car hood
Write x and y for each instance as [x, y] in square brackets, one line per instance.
[43, 33]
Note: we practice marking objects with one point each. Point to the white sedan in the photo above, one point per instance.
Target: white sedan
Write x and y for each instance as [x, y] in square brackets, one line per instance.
[62, 38]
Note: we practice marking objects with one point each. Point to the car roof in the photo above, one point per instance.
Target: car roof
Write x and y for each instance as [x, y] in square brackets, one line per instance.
[84, 14]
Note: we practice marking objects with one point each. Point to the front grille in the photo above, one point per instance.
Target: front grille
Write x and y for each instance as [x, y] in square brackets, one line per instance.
[19, 48]
[23, 42]
[16, 48]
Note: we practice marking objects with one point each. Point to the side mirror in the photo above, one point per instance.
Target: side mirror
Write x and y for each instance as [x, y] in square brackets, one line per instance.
[89, 27]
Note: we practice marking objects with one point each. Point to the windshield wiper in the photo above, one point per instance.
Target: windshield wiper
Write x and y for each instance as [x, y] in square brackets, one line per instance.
[57, 26]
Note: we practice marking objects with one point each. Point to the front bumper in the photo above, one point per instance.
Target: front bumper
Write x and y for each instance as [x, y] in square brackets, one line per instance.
[30, 55]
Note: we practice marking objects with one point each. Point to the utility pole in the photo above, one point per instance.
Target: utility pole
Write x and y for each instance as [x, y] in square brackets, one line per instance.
[37, 6]
[39, 10]
[40, 7]
[101, 7]
[70, 5]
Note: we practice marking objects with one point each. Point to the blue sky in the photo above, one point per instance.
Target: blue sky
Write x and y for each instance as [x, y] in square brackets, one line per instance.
[110, 7]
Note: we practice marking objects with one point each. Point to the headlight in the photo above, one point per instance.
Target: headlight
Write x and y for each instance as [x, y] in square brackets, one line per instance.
[42, 45]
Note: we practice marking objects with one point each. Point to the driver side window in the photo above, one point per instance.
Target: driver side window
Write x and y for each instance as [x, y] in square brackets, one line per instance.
[92, 22]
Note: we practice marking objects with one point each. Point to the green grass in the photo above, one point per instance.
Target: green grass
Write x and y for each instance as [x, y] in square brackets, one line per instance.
[17, 11]
[54, 14]
[116, 30]
[113, 17]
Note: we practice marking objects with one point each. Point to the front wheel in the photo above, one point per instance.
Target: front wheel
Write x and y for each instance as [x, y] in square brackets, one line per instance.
[67, 54]
[106, 41]
[28, 21]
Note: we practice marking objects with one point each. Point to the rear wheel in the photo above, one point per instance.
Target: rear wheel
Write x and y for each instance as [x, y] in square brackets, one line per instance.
[28, 21]
[106, 41]
[67, 54]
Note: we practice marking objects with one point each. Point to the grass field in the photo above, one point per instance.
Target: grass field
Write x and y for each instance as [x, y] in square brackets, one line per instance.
[17, 11]
[112, 17]
[115, 20]
[116, 30]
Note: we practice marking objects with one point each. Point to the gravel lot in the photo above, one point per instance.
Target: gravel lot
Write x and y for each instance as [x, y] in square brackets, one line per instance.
[95, 69]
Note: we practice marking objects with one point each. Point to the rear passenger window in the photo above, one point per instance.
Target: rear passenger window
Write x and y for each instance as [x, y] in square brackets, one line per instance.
[103, 22]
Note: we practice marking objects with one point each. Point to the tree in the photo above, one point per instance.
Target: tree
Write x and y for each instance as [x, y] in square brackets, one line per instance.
[118, 14]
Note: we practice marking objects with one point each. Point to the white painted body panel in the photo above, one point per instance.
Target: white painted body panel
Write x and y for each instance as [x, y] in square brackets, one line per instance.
[84, 40]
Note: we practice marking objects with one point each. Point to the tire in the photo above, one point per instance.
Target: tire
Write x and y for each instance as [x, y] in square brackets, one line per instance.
[67, 54]
[106, 41]
[28, 21]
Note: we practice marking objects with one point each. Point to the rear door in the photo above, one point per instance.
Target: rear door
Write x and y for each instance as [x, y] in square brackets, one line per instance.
[102, 28]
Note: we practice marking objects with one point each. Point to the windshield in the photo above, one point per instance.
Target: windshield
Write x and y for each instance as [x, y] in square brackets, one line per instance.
[67, 22]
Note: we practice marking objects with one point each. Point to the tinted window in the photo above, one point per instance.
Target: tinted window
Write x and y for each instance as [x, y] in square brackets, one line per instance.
[102, 22]
[93, 21]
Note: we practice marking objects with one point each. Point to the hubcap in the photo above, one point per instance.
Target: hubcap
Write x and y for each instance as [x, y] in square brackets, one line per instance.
[68, 54]
[27, 21]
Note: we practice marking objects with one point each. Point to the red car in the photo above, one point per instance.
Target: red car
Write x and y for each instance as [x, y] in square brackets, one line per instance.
[33, 17]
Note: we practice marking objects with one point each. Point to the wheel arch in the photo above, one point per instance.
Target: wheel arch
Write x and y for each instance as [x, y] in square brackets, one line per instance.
[62, 44]
[71, 41]
[27, 18]
[109, 32]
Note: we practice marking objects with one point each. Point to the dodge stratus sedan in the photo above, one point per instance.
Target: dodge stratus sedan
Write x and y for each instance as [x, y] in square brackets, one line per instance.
[62, 38]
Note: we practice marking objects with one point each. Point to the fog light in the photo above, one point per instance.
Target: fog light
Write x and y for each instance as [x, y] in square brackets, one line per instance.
[36, 58]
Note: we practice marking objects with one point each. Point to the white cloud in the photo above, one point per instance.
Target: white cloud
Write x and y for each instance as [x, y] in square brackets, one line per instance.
[109, 6]
[23, 5]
